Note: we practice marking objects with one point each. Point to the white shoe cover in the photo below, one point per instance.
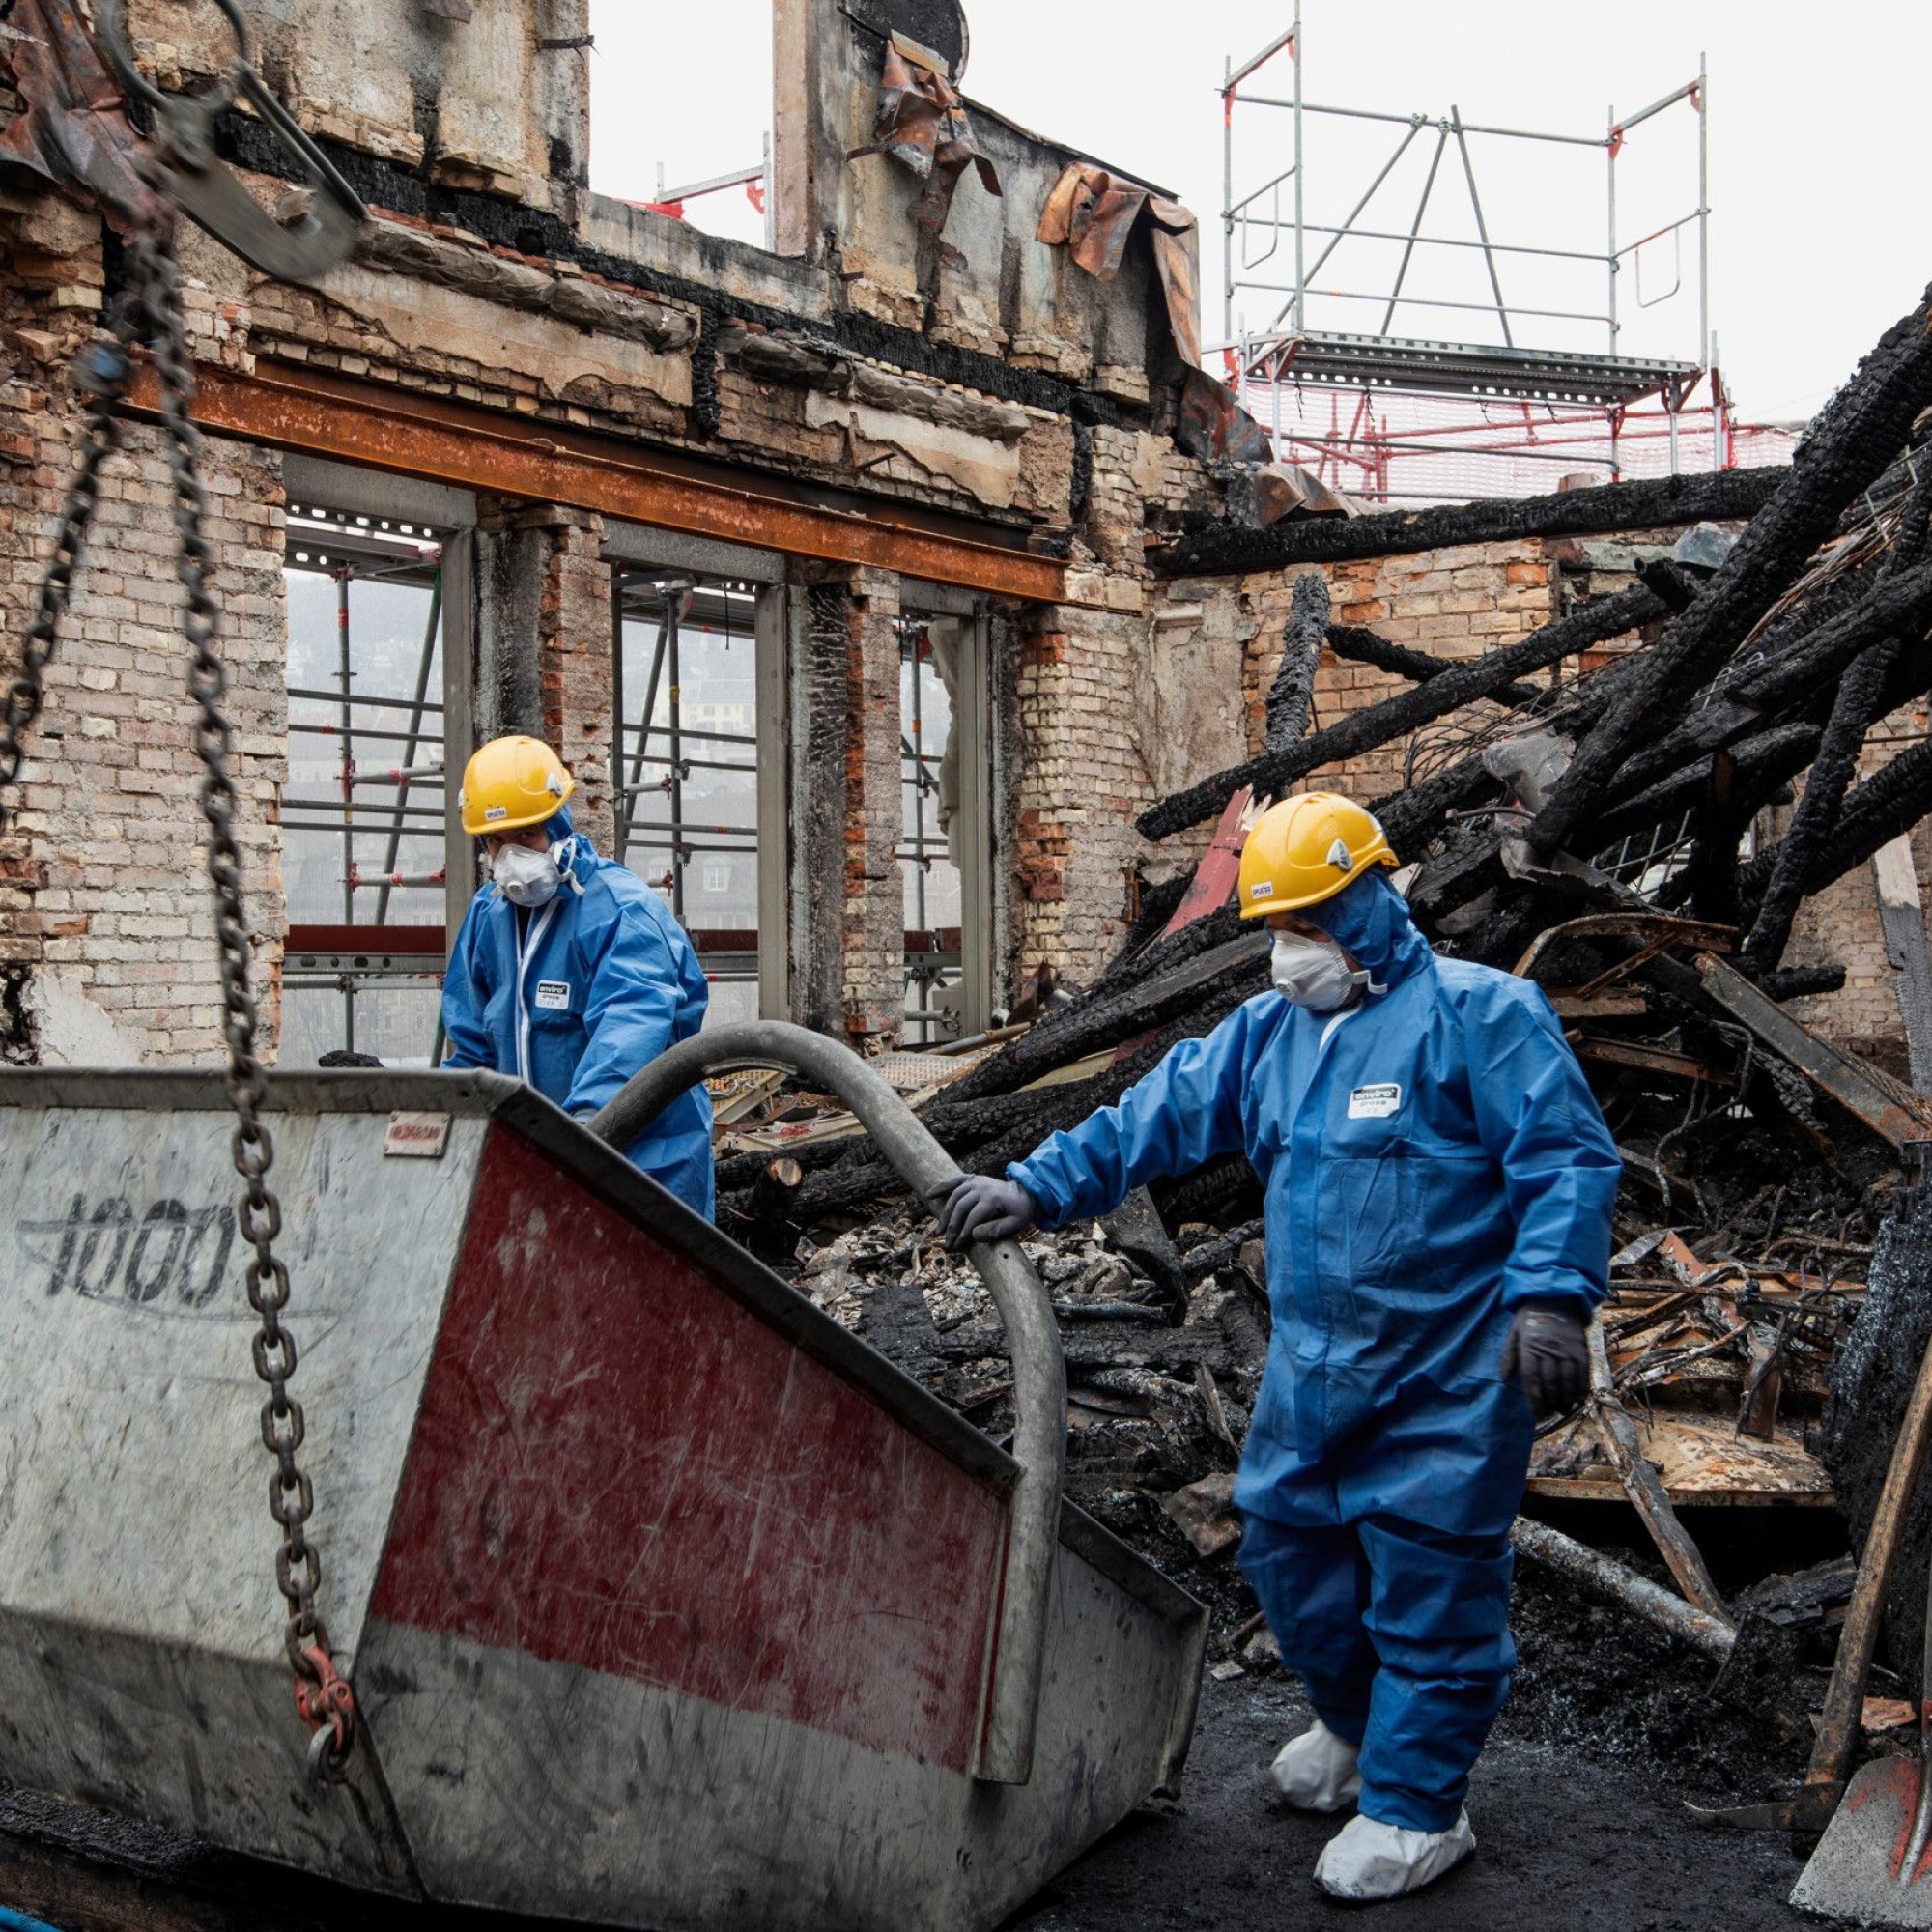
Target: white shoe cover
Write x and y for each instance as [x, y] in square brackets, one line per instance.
[1315, 1772]
[1369, 1860]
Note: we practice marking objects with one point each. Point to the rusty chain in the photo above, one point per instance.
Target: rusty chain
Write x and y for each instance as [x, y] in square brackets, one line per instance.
[148, 315]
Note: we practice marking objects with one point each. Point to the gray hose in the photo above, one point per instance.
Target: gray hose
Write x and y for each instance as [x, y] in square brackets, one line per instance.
[1033, 1336]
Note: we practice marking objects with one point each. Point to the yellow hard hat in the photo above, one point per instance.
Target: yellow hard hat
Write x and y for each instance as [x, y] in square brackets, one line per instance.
[510, 784]
[1305, 850]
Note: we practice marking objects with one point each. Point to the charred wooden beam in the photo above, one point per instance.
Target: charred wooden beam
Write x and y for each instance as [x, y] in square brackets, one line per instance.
[1395, 717]
[1888, 803]
[1712, 1635]
[1362, 646]
[1900, 607]
[1292, 698]
[1889, 1108]
[1856, 437]
[1224, 549]
[1816, 819]
[1412, 818]
[1721, 815]
[1150, 1000]
[1645, 1486]
[1764, 762]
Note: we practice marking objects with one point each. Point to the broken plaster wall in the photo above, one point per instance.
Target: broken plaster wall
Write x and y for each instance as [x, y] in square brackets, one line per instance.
[108, 941]
[544, 664]
[1005, 294]
[1013, 392]
[498, 101]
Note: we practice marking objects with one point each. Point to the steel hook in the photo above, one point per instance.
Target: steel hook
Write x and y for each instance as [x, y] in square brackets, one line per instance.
[298, 251]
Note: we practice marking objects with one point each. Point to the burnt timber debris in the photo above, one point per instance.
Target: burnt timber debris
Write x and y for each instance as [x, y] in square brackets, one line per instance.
[1767, 1316]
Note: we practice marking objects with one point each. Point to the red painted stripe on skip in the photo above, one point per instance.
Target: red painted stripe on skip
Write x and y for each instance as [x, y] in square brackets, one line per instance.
[618, 1466]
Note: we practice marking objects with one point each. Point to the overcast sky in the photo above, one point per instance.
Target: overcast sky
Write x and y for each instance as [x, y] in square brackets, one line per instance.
[1821, 216]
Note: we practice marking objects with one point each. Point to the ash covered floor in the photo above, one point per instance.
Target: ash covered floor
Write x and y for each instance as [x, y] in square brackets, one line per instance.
[1563, 1838]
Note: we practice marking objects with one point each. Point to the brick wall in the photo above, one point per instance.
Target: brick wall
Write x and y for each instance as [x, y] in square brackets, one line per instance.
[575, 671]
[1453, 604]
[104, 901]
[874, 897]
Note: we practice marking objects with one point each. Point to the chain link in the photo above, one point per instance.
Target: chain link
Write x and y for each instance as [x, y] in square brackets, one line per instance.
[149, 314]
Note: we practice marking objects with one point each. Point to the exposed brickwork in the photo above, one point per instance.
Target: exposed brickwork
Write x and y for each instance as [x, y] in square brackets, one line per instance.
[574, 661]
[105, 903]
[874, 905]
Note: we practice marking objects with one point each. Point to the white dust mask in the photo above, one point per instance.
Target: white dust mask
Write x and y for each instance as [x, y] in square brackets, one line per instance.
[523, 877]
[1312, 973]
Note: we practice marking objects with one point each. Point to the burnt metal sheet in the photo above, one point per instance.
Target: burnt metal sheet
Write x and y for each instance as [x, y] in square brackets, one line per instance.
[1092, 211]
[76, 129]
[922, 124]
[1213, 426]
[1890, 1110]
[939, 25]
[322, 414]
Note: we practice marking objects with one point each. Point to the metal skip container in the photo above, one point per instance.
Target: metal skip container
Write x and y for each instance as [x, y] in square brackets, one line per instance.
[667, 1601]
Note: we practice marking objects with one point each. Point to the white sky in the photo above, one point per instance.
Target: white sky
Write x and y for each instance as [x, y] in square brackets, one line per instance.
[1821, 221]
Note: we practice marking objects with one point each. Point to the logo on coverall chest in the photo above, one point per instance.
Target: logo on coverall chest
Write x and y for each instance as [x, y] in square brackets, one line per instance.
[1375, 1103]
[553, 996]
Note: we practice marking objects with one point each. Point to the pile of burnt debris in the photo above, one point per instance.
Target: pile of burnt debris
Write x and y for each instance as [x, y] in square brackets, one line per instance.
[1595, 825]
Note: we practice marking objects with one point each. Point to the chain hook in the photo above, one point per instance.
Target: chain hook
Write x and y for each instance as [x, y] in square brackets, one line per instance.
[148, 314]
[300, 250]
[326, 1702]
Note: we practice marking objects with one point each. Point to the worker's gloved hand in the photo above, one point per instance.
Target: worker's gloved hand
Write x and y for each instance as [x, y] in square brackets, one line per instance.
[1548, 1353]
[983, 1207]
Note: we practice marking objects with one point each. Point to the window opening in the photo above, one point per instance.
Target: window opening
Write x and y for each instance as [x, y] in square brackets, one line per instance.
[363, 808]
[928, 851]
[702, 153]
[686, 752]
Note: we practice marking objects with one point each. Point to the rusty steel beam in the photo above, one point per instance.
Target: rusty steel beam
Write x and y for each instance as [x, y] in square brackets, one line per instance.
[321, 413]
[1888, 1110]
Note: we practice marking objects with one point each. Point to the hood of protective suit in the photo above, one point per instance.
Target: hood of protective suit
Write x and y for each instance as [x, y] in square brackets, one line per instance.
[562, 830]
[1371, 919]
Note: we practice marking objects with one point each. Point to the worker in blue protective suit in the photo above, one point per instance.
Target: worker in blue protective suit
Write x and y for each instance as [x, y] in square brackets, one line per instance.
[1438, 1186]
[569, 972]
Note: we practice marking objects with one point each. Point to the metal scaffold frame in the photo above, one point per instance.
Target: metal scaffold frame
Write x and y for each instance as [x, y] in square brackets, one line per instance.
[674, 601]
[931, 961]
[350, 547]
[1559, 407]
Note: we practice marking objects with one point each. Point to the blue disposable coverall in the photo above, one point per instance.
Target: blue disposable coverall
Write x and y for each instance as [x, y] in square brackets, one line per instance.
[600, 981]
[1432, 1160]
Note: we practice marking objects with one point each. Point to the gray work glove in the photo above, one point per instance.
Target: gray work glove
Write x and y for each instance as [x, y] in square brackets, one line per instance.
[983, 1207]
[1548, 1353]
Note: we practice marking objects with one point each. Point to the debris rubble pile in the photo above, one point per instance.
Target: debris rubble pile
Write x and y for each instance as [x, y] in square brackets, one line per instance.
[1630, 807]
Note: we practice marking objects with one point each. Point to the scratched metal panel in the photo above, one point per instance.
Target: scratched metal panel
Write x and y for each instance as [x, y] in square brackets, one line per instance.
[543, 1787]
[190, 1740]
[133, 1483]
[619, 1466]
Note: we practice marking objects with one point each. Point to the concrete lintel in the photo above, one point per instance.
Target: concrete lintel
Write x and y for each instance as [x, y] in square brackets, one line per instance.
[376, 492]
[710, 557]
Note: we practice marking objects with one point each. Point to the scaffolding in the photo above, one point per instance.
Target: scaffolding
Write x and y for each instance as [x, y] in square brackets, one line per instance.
[1393, 415]
[931, 879]
[684, 760]
[367, 849]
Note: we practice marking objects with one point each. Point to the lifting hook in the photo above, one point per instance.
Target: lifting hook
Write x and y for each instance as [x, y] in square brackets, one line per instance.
[301, 251]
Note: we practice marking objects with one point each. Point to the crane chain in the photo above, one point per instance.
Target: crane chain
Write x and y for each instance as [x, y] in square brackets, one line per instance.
[148, 315]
